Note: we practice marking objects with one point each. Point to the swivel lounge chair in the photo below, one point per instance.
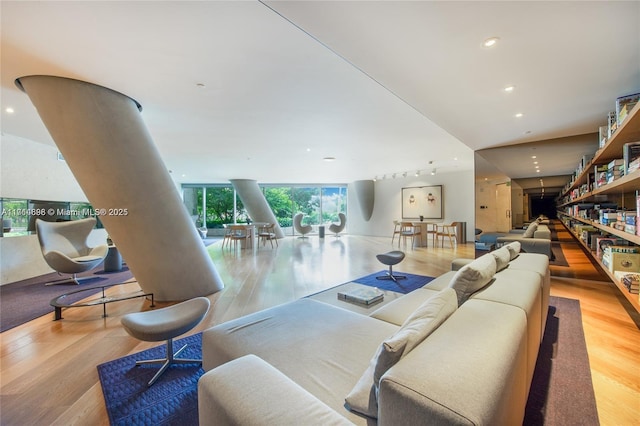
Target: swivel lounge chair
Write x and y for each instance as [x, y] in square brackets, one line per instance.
[166, 324]
[337, 228]
[65, 249]
[299, 227]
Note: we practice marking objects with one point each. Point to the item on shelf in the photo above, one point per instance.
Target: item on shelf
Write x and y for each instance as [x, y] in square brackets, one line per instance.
[631, 281]
[604, 136]
[604, 242]
[624, 105]
[630, 153]
[600, 175]
[615, 258]
[615, 170]
[633, 166]
[612, 124]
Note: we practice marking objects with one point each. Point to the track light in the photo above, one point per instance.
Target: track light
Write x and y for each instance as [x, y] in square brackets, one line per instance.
[417, 173]
[404, 174]
[433, 172]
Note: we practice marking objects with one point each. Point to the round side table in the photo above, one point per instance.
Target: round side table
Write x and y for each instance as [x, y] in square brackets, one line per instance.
[113, 261]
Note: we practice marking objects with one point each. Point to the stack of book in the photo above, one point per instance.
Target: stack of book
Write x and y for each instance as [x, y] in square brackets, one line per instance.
[615, 170]
[362, 296]
[630, 281]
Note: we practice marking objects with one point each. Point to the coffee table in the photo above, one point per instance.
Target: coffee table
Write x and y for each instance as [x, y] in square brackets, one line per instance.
[330, 296]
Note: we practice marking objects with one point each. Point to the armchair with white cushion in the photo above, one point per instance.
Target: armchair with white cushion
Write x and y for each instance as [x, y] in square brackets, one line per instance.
[65, 249]
[337, 228]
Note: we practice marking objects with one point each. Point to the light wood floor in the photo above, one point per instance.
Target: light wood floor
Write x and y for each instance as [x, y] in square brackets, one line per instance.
[48, 369]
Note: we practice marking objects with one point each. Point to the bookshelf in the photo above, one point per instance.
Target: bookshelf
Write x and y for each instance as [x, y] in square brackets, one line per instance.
[623, 190]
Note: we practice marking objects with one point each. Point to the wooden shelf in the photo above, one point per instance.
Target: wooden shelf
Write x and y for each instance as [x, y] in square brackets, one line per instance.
[629, 131]
[632, 298]
[626, 184]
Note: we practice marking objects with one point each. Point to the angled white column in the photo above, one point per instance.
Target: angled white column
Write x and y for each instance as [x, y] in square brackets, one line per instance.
[255, 203]
[365, 194]
[110, 152]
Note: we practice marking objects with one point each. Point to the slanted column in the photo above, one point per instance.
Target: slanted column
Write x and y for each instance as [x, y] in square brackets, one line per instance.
[110, 152]
[365, 194]
[256, 204]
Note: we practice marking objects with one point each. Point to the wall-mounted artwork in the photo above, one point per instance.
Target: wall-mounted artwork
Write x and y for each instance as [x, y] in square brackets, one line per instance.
[422, 201]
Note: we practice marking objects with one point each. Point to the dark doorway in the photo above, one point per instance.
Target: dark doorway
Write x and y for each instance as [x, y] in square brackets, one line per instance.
[543, 206]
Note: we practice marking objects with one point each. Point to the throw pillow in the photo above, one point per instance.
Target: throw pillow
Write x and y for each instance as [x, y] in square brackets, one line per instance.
[531, 229]
[420, 324]
[514, 248]
[472, 277]
[503, 257]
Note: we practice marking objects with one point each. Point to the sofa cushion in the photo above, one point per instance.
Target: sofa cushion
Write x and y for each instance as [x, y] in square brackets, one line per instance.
[472, 277]
[530, 230]
[514, 248]
[321, 347]
[249, 391]
[422, 322]
[503, 256]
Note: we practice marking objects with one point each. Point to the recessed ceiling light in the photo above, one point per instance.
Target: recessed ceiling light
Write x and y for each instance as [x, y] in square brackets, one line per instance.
[9, 110]
[490, 42]
[509, 89]
[329, 158]
[518, 115]
[538, 171]
[534, 156]
[535, 162]
[308, 149]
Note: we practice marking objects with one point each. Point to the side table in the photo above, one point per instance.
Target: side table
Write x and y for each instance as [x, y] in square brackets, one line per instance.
[113, 260]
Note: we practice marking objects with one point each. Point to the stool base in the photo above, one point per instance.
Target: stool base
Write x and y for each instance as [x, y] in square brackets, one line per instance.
[168, 361]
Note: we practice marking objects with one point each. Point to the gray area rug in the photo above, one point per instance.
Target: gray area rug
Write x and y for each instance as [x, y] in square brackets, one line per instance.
[562, 391]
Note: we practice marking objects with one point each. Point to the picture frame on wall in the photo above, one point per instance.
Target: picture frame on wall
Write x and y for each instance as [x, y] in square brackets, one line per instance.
[422, 202]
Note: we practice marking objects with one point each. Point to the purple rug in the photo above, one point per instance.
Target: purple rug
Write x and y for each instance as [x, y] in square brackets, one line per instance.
[173, 398]
[561, 390]
[23, 301]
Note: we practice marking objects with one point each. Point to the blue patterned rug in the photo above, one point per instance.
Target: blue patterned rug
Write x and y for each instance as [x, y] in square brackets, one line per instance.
[412, 282]
[172, 400]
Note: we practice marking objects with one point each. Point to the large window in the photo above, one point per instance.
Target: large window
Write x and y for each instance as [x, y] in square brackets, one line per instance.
[215, 205]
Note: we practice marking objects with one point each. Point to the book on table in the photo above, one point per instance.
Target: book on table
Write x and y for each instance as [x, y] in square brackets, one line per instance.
[363, 296]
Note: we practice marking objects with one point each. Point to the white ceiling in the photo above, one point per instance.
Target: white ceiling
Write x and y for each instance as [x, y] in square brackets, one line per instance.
[383, 86]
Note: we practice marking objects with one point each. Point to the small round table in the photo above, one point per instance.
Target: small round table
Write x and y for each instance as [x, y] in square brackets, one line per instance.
[113, 260]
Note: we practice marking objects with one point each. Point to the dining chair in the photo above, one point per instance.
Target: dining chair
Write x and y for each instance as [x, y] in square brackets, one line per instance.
[431, 230]
[226, 239]
[396, 231]
[447, 231]
[408, 230]
[267, 232]
[240, 233]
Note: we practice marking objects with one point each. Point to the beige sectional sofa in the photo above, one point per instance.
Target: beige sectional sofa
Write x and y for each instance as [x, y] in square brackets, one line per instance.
[420, 359]
[536, 238]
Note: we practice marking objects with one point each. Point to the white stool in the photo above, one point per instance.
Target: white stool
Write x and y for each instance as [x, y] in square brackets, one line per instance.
[166, 324]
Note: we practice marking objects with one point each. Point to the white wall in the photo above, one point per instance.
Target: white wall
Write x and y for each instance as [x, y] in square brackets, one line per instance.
[458, 195]
[31, 170]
